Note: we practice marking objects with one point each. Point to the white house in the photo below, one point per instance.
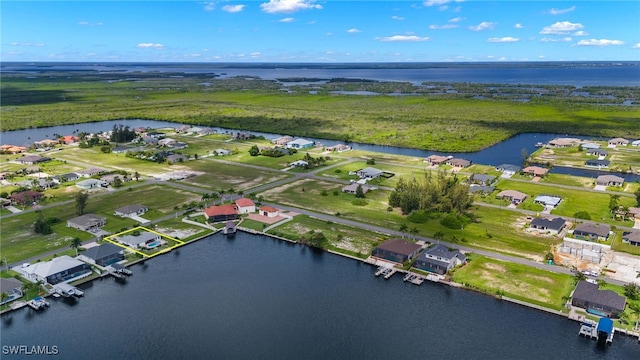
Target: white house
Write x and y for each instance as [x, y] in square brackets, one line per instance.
[91, 184]
[146, 240]
[300, 144]
[59, 269]
[269, 211]
[245, 206]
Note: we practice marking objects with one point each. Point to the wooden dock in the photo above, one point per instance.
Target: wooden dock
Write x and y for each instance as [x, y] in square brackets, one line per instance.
[386, 271]
[414, 278]
[588, 330]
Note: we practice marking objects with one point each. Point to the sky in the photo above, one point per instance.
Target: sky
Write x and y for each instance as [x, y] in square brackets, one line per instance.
[319, 31]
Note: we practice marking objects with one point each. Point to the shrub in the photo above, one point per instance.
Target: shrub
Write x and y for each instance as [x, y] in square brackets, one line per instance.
[336, 192]
[359, 202]
[451, 221]
[582, 215]
[324, 193]
[418, 217]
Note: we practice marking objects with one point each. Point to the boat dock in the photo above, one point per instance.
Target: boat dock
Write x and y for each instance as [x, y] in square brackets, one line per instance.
[118, 271]
[38, 303]
[414, 279]
[386, 271]
[588, 330]
[67, 290]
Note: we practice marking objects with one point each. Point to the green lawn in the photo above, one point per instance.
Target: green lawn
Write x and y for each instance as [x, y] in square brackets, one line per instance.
[516, 281]
[219, 175]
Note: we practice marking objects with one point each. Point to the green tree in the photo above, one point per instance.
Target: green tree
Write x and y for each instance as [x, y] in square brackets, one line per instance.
[635, 310]
[254, 150]
[414, 231]
[81, 202]
[613, 202]
[637, 194]
[360, 192]
[76, 243]
[4, 296]
[117, 182]
[579, 277]
[631, 291]
[403, 228]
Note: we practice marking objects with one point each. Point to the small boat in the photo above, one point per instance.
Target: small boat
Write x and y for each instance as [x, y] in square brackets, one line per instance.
[539, 144]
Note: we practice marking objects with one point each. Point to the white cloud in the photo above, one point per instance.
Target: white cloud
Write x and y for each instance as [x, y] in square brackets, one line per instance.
[394, 17]
[518, 26]
[209, 6]
[402, 38]
[561, 11]
[150, 46]
[438, 2]
[482, 26]
[440, 27]
[288, 6]
[636, 46]
[561, 27]
[599, 42]
[86, 23]
[353, 31]
[255, 54]
[565, 39]
[457, 19]
[580, 33]
[27, 44]
[506, 39]
[233, 8]
[287, 20]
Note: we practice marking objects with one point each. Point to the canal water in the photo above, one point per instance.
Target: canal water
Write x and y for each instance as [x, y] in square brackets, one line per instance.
[253, 297]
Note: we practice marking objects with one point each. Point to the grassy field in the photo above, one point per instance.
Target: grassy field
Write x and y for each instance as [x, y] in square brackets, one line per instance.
[516, 281]
[20, 242]
[428, 122]
[219, 175]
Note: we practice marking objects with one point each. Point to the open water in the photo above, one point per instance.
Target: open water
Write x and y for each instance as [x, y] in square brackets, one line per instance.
[253, 297]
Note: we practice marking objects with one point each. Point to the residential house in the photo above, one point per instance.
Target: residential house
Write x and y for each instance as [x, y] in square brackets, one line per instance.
[59, 269]
[396, 250]
[515, 197]
[458, 163]
[245, 206]
[222, 152]
[597, 152]
[634, 212]
[156, 134]
[299, 163]
[551, 225]
[150, 140]
[38, 183]
[11, 287]
[32, 159]
[635, 143]
[597, 163]
[282, 141]
[91, 184]
[591, 232]
[66, 177]
[482, 179]
[300, 144]
[166, 142]
[600, 302]
[224, 212]
[631, 237]
[508, 170]
[87, 173]
[481, 189]
[87, 222]
[369, 173]
[207, 131]
[439, 259]
[12, 149]
[338, 148]
[609, 180]
[589, 146]
[25, 197]
[535, 171]
[563, 142]
[145, 240]
[547, 200]
[269, 211]
[103, 255]
[175, 158]
[353, 188]
[436, 160]
[618, 142]
[131, 210]
[46, 143]
[69, 139]
[111, 178]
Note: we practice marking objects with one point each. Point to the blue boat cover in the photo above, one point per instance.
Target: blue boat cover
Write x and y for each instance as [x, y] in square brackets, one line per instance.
[605, 325]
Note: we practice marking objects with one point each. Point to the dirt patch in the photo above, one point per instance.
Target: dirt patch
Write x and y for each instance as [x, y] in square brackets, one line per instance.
[177, 234]
[265, 219]
[495, 267]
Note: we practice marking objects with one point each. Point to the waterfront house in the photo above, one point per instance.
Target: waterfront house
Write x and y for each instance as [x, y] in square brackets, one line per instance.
[396, 250]
[609, 180]
[69, 139]
[282, 141]
[207, 131]
[635, 143]
[156, 134]
[224, 212]
[25, 197]
[131, 210]
[597, 152]
[597, 163]
[353, 188]
[91, 184]
[548, 200]
[618, 142]
[631, 237]
[563, 142]
[482, 179]
[11, 287]
[150, 140]
[436, 160]
[245, 206]
[338, 148]
[458, 163]
[269, 211]
[439, 259]
[145, 240]
[515, 197]
[59, 269]
[369, 173]
[299, 163]
[87, 222]
[508, 170]
[592, 232]
[32, 159]
[300, 144]
[550, 225]
[535, 171]
[46, 143]
[103, 255]
[595, 301]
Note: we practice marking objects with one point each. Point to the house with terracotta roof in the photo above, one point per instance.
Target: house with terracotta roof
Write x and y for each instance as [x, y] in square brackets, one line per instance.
[245, 206]
[436, 160]
[269, 211]
[12, 149]
[25, 197]
[224, 212]
[535, 171]
[396, 250]
[515, 197]
[69, 139]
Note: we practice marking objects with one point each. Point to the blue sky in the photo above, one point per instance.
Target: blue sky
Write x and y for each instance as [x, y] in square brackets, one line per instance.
[319, 31]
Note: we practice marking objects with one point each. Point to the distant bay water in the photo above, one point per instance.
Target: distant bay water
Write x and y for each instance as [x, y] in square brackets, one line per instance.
[252, 297]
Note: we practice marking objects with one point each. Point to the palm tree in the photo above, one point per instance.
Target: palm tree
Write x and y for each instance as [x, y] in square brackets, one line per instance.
[136, 175]
[403, 228]
[76, 243]
[635, 310]
[414, 231]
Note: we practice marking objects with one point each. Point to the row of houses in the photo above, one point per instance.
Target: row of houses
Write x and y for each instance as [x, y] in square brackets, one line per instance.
[437, 160]
[569, 142]
[437, 259]
[226, 212]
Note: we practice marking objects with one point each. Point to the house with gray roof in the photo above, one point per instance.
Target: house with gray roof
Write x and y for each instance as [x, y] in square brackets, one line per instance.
[482, 179]
[396, 250]
[66, 177]
[439, 259]
[592, 232]
[609, 180]
[11, 287]
[353, 188]
[300, 144]
[32, 159]
[481, 189]
[508, 170]
[548, 200]
[369, 173]
[458, 163]
[590, 145]
[631, 237]
[550, 225]
[597, 163]
[146, 240]
[91, 184]
[87, 222]
[103, 255]
[514, 196]
[597, 152]
[131, 210]
[596, 301]
[59, 269]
